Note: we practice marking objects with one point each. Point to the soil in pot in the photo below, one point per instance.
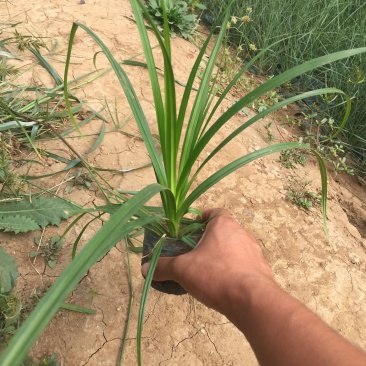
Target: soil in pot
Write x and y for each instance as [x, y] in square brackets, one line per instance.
[171, 248]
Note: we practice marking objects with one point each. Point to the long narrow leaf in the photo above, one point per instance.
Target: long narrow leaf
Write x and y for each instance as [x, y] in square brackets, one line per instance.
[231, 167]
[130, 307]
[97, 142]
[137, 7]
[196, 118]
[166, 115]
[170, 123]
[193, 74]
[279, 80]
[14, 115]
[47, 66]
[145, 292]
[235, 80]
[258, 92]
[324, 180]
[130, 95]
[183, 185]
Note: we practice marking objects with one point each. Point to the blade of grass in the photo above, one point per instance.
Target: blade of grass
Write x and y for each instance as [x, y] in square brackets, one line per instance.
[77, 240]
[145, 292]
[77, 308]
[192, 76]
[231, 167]
[196, 117]
[184, 186]
[170, 123]
[81, 123]
[129, 311]
[256, 93]
[166, 115]
[324, 180]
[10, 111]
[47, 66]
[130, 95]
[99, 140]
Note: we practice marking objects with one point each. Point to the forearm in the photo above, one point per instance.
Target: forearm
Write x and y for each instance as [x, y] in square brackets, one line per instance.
[283, 332]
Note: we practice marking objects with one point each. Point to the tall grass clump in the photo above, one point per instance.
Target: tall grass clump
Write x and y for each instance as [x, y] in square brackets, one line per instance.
[309, 29]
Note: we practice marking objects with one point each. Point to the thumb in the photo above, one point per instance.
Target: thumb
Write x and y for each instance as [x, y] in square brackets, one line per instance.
[164, 270]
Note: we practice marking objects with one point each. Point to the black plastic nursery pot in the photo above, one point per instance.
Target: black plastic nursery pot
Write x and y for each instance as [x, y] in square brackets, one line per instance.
[171, 248]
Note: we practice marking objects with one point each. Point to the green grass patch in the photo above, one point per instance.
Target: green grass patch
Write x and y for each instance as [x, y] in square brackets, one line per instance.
[307, 30]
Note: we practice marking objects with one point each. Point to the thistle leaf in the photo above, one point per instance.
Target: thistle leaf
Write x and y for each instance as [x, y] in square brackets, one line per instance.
[40, 212]
[17, 224]
[8, 272]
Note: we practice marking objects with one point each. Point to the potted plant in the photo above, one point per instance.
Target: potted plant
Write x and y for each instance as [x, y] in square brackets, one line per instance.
[183, 137]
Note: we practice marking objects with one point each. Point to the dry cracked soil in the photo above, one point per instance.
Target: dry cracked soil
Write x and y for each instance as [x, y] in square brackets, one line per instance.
[179, 330]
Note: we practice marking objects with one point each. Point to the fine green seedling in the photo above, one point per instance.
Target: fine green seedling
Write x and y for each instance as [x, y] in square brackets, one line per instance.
[289, 158]
[332, 150]
[52, 360]
[271, 136]
[184, 133]
[80, 179]
[299, 194]
[50, 251]
[316, 132]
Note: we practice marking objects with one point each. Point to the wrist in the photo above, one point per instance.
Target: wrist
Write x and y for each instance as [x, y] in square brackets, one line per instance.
[247, 294]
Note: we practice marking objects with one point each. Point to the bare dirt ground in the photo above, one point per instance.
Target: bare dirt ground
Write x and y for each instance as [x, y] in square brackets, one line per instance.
[178, 330]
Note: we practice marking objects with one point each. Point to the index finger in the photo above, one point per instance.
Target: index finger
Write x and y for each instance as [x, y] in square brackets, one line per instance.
[210, 214]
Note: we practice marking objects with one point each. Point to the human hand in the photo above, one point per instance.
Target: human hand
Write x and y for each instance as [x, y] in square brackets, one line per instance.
[226, 256]
[227, 272]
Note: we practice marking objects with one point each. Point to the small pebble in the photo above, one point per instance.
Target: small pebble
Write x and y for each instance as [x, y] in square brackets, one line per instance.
[82, 1]
[354, 258]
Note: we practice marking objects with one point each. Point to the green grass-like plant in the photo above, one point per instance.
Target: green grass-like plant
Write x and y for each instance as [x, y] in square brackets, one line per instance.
[183, 136]
[307, 30]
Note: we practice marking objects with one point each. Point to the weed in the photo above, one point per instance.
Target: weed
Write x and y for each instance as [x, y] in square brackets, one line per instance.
[11, 184]
[195, 4]
[317, 132]
[229, 68]
[81, 180]
[50, 251]
[301, 196]
[10, 307]
[270, 135]
[34, 214]
[52, 360]
[237, 27]
[180, 18]
[12, 310]
[8, 70]
[25, 42]
[21, 42]
[289, 158]
[267, 100]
